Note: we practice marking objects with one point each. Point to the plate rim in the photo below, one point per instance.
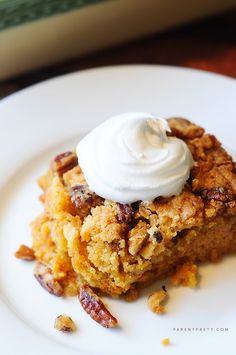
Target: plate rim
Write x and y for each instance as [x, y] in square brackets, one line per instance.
[10, 98]
[112, 67]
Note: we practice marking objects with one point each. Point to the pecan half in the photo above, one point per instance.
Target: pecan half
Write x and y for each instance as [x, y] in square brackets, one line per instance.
[216, 193]
[93, 305]
[43, 275]
[64, 323]
[64, 162]
[25, 253]
[125, 213]
[83, 199]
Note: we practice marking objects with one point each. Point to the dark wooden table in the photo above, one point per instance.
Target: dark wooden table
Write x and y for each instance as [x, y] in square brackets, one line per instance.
[208, 45]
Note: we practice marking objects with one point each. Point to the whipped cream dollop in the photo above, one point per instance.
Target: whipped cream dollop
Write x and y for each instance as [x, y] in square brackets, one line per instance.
[129, 158]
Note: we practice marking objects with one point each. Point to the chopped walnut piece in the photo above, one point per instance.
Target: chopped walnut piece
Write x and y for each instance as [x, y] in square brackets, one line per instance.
[83, 199]
[155, 301]
[137, 237]
[65, 324]
[185, 275]
[93, 305]
[165, 341]
[125, 213]
[217, 194]
[25, 253]
[43, 275]
[64, 162]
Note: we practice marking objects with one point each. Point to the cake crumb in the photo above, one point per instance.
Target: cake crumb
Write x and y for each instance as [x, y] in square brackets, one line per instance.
[155, 301]
[185, 275]
[131, 295]
[165, 341]
[65, 324]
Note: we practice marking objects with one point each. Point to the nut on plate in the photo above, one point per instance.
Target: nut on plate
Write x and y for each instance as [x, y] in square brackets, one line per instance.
[65, 324]
[25, 253]
[94, 306]
[43, 275]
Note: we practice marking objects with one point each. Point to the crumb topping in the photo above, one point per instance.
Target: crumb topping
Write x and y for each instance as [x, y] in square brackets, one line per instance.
[185, 275]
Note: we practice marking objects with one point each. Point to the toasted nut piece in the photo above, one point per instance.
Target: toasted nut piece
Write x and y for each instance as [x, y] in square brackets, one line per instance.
[185, 275]
[44, 276]
[165, 341]
[83, 199]
[155, 300]
[25, 253]
[125, 212]
[137, 236]
[64, 162]
[65, 324]
[217, 194]
[92, 304]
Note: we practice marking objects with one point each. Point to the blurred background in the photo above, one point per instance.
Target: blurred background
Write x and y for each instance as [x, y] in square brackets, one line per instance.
[40, 39]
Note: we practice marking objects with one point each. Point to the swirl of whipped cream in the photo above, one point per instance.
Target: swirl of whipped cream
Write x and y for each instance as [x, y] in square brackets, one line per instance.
[129, 158]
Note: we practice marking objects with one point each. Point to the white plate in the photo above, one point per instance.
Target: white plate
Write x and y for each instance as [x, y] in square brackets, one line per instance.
[47, 118]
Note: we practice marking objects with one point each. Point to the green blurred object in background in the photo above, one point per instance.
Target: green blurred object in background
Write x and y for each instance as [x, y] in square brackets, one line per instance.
[38, 33]
[17, 12]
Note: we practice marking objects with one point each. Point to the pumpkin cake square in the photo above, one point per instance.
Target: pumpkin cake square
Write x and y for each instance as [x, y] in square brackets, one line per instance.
[83, 238]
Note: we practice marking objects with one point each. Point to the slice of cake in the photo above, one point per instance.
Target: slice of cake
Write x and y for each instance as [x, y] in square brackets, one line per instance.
[115, 247]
